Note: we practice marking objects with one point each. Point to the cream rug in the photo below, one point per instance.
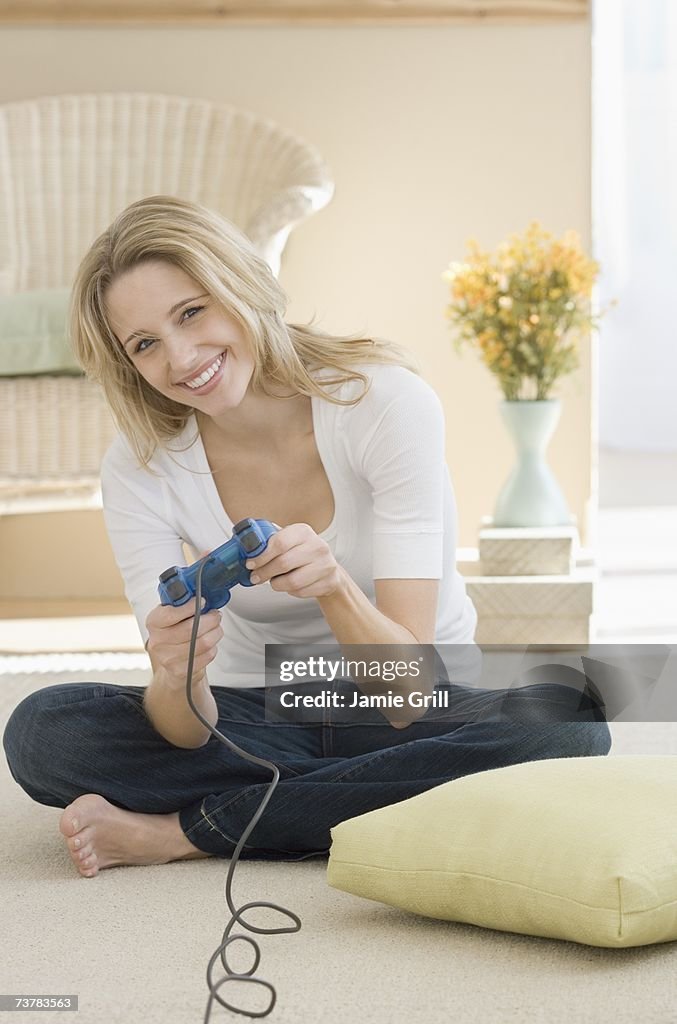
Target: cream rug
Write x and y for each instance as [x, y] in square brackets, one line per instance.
[133, 943]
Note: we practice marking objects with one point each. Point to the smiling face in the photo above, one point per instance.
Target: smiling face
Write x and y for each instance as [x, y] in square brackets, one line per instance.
[178, 338]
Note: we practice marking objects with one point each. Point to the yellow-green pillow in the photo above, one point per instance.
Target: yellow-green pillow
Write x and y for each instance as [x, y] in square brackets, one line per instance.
[33, 334]
[580, 848]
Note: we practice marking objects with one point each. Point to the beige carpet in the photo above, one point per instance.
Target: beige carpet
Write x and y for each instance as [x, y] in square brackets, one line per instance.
[134, 943]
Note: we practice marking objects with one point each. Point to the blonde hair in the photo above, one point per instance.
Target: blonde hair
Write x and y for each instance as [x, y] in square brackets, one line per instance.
[225, 264]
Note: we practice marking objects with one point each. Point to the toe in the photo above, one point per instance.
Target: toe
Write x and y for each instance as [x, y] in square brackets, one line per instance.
[80, 840]
[88, 863]
[81, 812]
[71, 820]
[66, 822]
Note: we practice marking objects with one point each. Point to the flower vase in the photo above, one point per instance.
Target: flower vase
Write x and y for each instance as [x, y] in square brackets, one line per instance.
[531, 496]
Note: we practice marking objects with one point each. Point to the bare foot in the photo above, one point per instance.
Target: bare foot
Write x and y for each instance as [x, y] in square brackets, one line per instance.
[100, 835]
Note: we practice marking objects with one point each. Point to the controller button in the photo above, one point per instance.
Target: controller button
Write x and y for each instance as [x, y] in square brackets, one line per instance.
[168, 573]
[244, 524]
[177, 590]
[250, 542]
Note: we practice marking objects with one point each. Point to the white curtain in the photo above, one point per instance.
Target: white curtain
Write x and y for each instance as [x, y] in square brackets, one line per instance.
[635, 220]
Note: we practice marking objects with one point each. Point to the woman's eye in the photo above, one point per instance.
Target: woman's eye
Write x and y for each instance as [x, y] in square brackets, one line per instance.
[187, 314]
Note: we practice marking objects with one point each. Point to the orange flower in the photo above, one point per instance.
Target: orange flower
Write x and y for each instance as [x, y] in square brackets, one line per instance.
[524, 307]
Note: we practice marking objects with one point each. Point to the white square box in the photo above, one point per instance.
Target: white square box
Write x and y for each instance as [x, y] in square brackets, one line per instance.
[527, 550]
[539, 609]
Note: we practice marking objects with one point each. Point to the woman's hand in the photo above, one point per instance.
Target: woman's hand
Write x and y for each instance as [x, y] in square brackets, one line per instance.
[169, 633]
[297, 562]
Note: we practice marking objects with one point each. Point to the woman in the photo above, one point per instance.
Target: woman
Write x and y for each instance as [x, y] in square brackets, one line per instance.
[225, 412]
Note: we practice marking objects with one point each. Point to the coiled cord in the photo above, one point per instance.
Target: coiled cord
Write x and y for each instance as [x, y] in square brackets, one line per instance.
[231, 975]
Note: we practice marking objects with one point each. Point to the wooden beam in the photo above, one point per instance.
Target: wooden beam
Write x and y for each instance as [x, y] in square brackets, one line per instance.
[35, 12]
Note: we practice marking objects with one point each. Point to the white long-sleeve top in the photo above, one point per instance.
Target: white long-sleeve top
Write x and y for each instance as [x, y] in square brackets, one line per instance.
[395, 517]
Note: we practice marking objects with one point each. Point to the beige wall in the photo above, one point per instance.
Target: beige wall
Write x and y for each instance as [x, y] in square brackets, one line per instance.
[433, 134]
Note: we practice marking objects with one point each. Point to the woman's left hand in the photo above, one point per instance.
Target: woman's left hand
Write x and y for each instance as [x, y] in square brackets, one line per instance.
[297, 562]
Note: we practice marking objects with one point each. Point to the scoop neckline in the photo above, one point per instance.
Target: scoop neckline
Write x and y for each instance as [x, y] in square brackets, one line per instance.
[213, 493]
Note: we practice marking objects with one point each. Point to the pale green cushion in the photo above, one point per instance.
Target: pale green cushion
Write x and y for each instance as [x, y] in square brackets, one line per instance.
[581, 848]
[33, 336]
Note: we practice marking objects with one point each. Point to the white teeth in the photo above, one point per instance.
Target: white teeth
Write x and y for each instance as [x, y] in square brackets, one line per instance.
[197, 382]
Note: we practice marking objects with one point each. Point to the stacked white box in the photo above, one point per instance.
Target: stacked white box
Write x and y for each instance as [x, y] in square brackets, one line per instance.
[527, 550]
[530, 585]
[532, 609]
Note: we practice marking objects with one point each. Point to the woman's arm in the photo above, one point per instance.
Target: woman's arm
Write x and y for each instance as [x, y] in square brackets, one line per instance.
[405, 612]
[168, 646]
[144, 544]
[298, 562]
[171, 715]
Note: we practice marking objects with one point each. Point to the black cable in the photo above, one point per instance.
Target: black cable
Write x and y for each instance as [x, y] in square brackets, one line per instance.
[231, 975]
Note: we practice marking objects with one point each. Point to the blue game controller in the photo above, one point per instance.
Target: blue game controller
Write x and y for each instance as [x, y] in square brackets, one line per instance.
[223, 568]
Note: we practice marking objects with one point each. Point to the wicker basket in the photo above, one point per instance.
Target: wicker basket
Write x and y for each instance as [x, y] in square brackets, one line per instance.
[61, 429]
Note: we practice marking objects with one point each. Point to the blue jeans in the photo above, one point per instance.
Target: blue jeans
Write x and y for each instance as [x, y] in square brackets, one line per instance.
[75, 738]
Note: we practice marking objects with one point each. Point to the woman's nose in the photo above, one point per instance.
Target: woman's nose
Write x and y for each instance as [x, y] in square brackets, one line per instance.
[183, 356]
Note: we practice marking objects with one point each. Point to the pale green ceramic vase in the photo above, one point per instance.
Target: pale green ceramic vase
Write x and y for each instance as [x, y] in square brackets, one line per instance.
[531, 496]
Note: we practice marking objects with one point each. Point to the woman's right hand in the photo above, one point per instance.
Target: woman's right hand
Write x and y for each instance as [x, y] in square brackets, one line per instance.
[169, 632]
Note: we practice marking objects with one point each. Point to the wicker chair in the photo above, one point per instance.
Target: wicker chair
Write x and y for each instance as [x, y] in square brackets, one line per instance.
[68, 165]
